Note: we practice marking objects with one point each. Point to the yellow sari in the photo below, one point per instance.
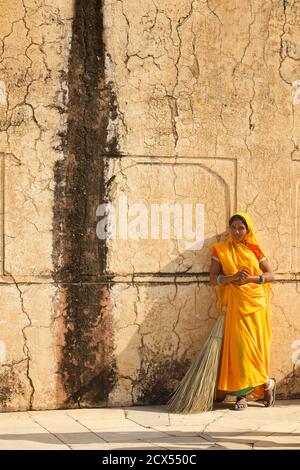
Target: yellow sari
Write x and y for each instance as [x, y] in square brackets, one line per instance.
[247, 335]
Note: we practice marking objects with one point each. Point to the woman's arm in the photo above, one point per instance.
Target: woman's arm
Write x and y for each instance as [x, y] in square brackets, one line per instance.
[216, 270]
[267, 274]
[267, 271]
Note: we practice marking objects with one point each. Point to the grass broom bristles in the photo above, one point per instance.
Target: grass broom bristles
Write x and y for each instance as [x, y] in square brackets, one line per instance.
[196, 391]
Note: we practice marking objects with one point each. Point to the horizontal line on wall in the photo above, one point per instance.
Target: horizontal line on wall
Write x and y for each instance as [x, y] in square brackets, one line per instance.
[172, 157]
[138, 278]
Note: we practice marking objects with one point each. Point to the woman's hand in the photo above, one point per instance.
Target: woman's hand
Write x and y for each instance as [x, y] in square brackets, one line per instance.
[245, 278]
[235, 278]
[242, 277]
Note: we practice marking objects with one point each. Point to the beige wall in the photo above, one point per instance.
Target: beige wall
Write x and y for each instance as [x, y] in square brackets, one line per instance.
[34, 56]
[184, 101]
[205, 114]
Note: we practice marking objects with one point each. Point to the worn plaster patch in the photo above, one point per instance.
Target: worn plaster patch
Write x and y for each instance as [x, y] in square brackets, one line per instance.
[2, 93]
[2, 352]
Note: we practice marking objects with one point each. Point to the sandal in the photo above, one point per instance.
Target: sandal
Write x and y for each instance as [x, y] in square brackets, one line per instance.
[269, 398]
[240, 404]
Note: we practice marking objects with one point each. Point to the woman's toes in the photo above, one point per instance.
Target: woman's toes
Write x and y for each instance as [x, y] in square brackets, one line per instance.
[241, 403]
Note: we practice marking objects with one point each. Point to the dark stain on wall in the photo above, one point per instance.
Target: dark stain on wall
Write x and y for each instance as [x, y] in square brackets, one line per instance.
[10, 386]
[289, 386]
[87, 368]
[156, 380]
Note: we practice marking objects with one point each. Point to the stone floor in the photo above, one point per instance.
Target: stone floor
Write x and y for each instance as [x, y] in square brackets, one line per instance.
[152, 427]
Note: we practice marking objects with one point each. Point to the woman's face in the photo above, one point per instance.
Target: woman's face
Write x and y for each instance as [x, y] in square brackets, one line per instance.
[238, 230]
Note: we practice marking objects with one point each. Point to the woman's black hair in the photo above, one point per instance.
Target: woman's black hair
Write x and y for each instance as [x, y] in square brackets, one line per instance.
[238, 217]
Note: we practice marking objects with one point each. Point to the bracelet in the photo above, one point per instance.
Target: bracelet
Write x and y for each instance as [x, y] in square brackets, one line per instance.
[218, 280]
[262, 279]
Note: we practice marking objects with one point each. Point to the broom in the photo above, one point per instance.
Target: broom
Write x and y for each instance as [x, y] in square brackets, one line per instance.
[196, 391]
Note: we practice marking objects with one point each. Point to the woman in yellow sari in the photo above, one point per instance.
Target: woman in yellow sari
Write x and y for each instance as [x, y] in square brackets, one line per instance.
[241, 273]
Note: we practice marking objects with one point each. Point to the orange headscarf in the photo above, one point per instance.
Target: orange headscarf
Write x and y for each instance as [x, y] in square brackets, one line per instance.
[250, 237]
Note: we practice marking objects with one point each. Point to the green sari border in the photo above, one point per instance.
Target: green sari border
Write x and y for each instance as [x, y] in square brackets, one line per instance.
[242, 392]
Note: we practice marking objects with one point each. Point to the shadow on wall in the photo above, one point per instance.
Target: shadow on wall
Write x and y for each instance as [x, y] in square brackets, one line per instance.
[290, 382]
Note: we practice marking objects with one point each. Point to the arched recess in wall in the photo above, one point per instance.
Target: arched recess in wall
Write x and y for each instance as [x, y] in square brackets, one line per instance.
[211, 182]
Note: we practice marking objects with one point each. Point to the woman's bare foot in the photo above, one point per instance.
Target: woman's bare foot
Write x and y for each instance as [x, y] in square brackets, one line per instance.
[241, 403]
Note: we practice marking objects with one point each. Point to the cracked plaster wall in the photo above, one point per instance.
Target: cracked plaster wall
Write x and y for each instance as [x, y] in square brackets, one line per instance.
[205, 114]
[34, 45]
[188, 101]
